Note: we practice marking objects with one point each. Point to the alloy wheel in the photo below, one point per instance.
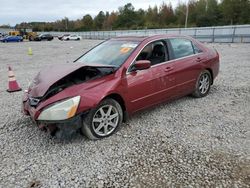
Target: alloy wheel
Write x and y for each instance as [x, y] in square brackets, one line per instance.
[204, 83]
[105, 120]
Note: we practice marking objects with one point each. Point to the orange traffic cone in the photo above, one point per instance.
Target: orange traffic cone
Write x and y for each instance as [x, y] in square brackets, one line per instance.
[13, 85]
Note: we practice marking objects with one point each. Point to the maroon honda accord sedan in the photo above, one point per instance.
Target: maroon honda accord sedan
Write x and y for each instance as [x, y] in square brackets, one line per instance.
[97, 92]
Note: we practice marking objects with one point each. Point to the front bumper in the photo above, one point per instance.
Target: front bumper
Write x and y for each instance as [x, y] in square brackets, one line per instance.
[61, 128]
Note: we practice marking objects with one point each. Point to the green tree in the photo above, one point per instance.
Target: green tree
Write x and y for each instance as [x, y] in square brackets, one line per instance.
[235, 11]
[111, 20]
[99, 20]
[201, 13]
[166, 15]
[152, 17]
[244, 16]
[141, 19]
[87, 23]
[206, 13]
[180, 13]
[126, 17]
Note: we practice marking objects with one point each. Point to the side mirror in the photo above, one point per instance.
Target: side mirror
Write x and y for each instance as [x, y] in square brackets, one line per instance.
[142, 65]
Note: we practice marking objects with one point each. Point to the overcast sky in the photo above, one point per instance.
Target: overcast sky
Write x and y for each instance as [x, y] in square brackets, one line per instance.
[16, 11]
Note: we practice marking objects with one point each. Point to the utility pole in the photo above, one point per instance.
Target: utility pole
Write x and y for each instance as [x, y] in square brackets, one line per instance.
[186, 20]
[66, 22]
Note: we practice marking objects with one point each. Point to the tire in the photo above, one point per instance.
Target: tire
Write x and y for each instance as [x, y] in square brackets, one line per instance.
[203, 84]
[103, 125]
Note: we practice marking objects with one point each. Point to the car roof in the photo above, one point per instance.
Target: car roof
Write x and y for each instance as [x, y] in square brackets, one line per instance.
[142, 38]
[130, 38]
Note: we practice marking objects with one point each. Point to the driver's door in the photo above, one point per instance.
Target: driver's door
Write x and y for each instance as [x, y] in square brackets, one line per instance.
[140, 89]
[143, 85]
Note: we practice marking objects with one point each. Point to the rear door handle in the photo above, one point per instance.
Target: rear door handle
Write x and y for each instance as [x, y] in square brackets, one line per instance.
[198, 59]
[167, 69]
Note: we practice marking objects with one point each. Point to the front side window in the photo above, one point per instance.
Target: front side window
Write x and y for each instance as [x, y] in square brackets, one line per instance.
[111, 52]
[181, 47]
[155, 52]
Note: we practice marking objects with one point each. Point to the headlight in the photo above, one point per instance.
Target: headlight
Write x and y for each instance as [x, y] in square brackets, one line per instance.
[61, 110]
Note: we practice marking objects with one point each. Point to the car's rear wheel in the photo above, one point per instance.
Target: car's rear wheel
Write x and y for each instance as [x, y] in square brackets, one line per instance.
[203, 84]
[103, 121]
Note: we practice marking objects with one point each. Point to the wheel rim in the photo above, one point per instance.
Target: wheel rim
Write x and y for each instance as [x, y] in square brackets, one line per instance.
[105, 120]
[204, 83]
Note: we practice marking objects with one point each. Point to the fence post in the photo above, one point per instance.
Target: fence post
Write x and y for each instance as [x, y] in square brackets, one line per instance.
[213, 34]
[233, 34]
[195, 30]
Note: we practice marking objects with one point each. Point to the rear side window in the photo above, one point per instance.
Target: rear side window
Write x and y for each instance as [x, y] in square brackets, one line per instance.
[181, 47]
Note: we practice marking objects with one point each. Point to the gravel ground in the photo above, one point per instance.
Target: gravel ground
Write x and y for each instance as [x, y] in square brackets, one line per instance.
[185, 143]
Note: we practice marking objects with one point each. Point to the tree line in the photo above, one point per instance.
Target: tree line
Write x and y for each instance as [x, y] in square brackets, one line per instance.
[201, 13]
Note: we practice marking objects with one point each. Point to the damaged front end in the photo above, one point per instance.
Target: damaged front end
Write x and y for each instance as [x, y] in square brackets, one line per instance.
[60, 115]
[77, 77]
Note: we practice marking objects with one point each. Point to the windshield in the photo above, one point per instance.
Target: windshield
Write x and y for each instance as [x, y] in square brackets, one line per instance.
[111, 52]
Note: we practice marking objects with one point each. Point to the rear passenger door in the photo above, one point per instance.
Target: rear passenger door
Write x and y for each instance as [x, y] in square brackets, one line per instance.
[186, 61]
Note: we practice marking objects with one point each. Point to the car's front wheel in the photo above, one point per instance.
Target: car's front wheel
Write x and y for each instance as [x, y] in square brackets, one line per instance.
[104, 120]
[203, 84]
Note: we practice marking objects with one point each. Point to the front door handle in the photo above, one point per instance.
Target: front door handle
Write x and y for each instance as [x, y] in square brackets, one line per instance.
[167, 69]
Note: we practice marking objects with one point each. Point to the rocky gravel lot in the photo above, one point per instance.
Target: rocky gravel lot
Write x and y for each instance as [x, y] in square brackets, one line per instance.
[184, 143]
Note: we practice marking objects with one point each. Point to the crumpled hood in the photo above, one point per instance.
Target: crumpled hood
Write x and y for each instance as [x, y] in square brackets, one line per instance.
[51, 74]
